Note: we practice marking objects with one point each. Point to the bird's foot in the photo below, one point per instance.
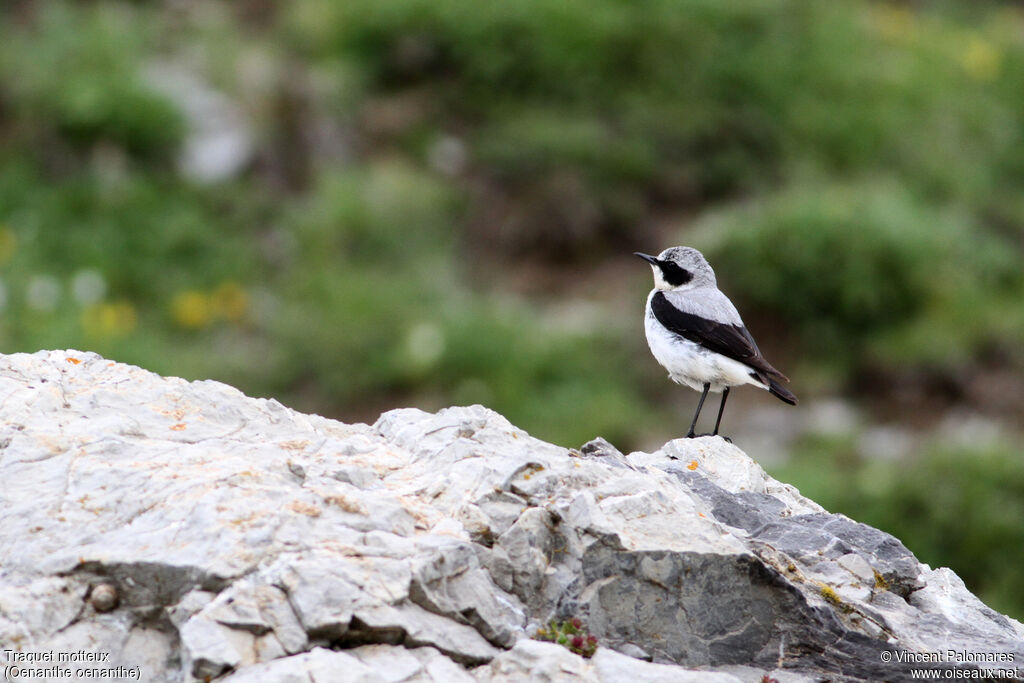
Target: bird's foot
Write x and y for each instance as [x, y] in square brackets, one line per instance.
[691, 435]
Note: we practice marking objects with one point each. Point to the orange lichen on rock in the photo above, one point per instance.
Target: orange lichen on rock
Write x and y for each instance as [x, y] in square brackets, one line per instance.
[304, 508]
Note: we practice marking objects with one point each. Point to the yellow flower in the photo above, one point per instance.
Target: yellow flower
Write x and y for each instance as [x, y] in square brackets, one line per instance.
[109, 319]
[230, 301]
[191, 309]
[8, 243]
[893, 23]
[981, 59]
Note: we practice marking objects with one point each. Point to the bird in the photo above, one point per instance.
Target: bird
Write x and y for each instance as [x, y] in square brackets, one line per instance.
[696, 333]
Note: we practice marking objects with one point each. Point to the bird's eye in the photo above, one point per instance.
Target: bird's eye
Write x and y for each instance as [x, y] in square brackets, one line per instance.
[674, 274]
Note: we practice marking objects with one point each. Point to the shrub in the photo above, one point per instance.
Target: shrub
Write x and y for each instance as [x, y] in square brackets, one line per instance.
[72, 75]
[853, 266]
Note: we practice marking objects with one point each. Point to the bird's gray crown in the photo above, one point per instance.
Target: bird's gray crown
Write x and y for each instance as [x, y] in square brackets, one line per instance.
[691, 261]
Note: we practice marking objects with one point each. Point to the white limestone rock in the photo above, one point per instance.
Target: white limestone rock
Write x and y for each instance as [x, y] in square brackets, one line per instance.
[531, 660]
[247, 542]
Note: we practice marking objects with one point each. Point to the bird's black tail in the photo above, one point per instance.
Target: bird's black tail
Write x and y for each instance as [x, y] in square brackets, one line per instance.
[781, 392]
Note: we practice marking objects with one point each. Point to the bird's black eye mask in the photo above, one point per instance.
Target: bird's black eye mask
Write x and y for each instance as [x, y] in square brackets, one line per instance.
[674, 274]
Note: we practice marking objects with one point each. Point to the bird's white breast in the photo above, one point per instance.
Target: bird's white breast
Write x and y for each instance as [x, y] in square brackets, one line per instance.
[690, 363]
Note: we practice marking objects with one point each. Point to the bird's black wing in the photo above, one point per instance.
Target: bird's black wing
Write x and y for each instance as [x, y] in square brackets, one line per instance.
[732, 341]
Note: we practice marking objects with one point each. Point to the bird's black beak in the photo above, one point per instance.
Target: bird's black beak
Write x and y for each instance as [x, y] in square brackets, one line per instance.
[647, 257]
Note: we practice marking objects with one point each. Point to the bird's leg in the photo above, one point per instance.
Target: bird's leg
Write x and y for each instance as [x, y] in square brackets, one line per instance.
[721, 408]
[700, 404]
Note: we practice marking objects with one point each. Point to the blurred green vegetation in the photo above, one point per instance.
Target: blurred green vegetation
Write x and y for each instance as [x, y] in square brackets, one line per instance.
[895, 279]
[432, 190]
